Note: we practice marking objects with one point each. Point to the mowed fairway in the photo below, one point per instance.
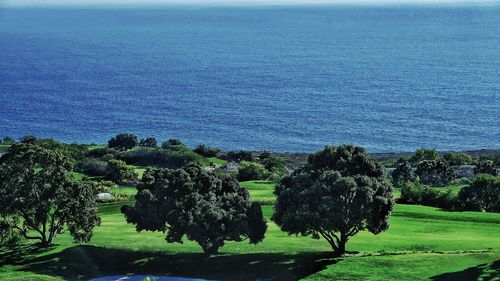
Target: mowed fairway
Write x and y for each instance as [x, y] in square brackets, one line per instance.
[422, 243]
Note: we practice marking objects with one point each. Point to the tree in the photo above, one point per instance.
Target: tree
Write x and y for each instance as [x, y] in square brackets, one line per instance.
[241, 155]
[435, 172]
[251, 171]
[148, 142]
[173, 144]
[403, 173]
[8, 140]
[119, 172]
[207, 208]
[483, 194]
[424, 154]
[275, 166]
[206, 151]
[39, 198]
[338, 193]
[486, 167]
[456, 159]
[123, 141]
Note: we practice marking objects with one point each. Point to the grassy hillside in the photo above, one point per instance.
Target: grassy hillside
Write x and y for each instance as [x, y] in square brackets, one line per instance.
[421, 243]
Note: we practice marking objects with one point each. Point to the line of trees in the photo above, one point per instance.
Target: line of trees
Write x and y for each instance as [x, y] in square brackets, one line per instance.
[339, 192]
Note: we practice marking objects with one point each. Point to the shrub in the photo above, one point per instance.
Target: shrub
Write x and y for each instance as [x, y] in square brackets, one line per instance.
[483, 194]
[174, 144]
[251, 171]
[486, 167]
[276, 167]
[162, 157]
[436, 173]
[206, 151]
[456, 159]
[8, 140]
[74, 152]
[241, 156]
[92, 167]
[418, 194]
[123, 141]
[424, 154]
[119, 172]
[148, 142]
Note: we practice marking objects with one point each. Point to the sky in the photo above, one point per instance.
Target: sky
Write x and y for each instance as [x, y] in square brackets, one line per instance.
[228, 2]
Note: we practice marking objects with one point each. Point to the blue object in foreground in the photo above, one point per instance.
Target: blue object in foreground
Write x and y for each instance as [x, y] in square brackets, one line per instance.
[144, 278]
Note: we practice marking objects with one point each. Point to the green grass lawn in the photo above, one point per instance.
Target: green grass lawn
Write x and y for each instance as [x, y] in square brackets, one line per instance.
[260, 191]
[217, 162]
[422, 243]
[4, 147]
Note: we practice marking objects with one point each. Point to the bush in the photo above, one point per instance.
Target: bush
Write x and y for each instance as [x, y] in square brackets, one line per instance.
[424, 154]
[275, 166]
[119, 172]
[162, 157]
[206, 151]
[486, 167]
[456, 159]
[101, 152]
[174, 144]
[148, 142]
[251, 171]
[123, 141]
[435, 173]
[8, 140]
[241, 156]
[418, 194]
[92, 167]
[483, 194]
[74, 152]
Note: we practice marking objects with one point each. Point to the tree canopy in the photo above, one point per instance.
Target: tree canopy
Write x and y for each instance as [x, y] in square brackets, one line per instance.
[403, 173]
[207, 208]
[483, 194]
[123, 141]
[39, 198]
[338, 193]
[148, 142]
[435, 172]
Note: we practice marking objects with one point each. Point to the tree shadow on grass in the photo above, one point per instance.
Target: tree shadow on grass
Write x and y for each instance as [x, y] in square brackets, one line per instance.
[19, 254]
[87, 262]
[480, 272]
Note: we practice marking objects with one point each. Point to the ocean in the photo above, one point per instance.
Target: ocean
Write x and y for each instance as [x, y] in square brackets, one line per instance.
[284, 78]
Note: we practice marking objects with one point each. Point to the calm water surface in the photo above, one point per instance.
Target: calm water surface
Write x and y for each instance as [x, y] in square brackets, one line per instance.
[285, 79]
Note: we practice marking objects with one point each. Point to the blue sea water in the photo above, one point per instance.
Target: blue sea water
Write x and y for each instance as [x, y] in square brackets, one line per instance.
[276, 78]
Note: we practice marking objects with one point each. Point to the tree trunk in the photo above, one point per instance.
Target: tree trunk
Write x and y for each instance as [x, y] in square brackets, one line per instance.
[339, 248]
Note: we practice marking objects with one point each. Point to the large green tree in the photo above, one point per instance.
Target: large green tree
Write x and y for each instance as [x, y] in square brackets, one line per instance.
[198, 204]
[435, 172]
[39, 198]
[338, 193]
[403, 173]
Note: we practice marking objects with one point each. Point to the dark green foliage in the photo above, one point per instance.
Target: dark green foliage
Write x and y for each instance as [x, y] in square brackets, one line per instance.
[251, 171]
[459, 159]
[8, 140]
[39, 198]
[28, 139]
[486, 167]
[148, 142]
[275, 166]
[123, 141]
[403, 173]
[118, 171]
[339, 192]
[162, 157]
[174, 144]
[483, 194]
[435, 173]
[206, 151]
[92, 167]
[75, 152]
[241, 156]
[200, 205]
[418, 194]
[424, 154]
[264, 155]
[101, 152]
